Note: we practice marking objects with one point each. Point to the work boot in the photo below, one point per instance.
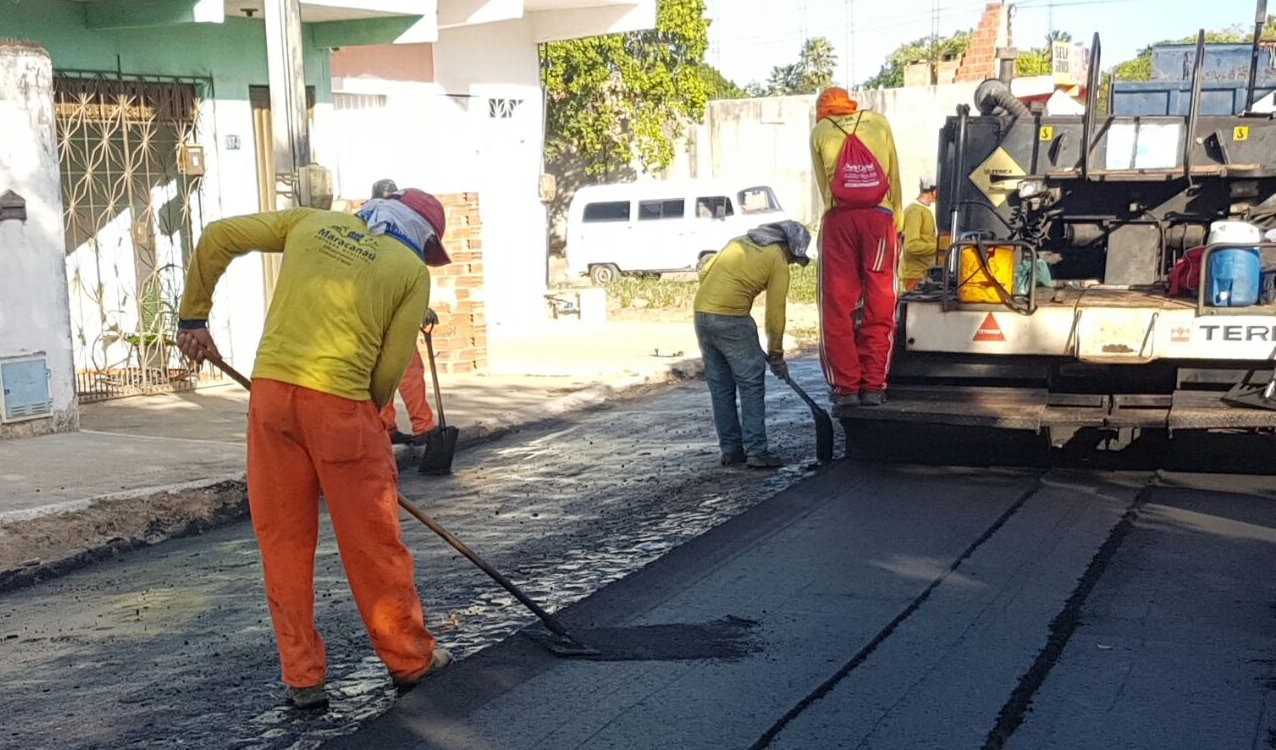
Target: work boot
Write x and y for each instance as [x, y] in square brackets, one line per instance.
[843, 400]
[733, 459]
[873, 398]
[442, 657]
[764, 461]
[308, 698]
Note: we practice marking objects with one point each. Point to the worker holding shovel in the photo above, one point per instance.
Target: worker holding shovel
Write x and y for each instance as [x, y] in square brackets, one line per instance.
[412, 387]
[349, 302]
[734, 362]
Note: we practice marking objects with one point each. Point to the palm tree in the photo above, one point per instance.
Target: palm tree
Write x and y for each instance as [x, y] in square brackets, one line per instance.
[817, 63]
[1058, 36]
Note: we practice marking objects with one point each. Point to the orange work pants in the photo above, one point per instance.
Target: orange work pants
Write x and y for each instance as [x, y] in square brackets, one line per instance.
[302, 442]
[412, 389]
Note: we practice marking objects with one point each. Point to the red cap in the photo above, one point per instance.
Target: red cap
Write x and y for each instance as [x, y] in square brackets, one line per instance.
[429, 208]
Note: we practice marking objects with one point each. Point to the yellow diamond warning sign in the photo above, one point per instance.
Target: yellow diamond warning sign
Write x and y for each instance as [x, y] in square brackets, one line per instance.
[997, 176]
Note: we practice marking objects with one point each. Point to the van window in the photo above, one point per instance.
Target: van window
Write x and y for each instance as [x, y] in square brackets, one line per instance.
[612, 211]
[758, 200]
[655, 210]
[714, 207]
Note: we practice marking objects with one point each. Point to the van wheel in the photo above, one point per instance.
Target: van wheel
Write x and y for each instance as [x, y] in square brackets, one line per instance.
[604, 274]
[704, 261]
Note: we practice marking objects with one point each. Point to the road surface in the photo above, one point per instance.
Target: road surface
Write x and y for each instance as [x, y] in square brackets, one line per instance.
[866, 607]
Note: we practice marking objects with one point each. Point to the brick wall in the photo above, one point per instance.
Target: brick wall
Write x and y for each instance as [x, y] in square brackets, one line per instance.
[980, 60]
[456, 294]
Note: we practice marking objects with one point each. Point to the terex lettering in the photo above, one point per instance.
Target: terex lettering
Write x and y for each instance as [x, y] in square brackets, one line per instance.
[1239, 333]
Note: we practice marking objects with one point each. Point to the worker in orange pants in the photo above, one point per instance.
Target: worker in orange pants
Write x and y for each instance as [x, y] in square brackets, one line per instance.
[301, 441]
[412, 389]
[347, 308]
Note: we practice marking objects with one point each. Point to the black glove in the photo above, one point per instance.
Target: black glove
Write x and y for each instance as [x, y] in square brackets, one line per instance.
[779, 367]
[431, 318]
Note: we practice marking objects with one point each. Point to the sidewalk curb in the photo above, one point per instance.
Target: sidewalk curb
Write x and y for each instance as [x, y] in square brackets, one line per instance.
[117, 523]
[75, 534]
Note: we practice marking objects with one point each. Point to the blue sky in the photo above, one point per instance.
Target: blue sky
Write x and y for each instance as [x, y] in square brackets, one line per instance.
[749, 37]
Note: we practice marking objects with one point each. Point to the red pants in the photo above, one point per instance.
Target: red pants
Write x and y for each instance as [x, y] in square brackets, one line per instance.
[412, 389]
[302, 442]
[857, 262]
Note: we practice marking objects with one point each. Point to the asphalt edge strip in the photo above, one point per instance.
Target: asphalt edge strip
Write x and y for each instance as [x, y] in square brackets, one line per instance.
[867, 650]
[1062, 628]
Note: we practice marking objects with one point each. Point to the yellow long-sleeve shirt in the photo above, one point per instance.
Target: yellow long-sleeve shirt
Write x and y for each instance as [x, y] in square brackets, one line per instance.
[347, 306]
[875, 132]
[733, 278]
[920, 242]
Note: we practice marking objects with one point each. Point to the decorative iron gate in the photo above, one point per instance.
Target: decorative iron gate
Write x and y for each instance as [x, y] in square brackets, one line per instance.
[131, 175]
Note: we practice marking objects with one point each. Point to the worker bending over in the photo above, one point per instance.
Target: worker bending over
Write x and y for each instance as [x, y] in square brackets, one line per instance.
[857, 171]
[412, 386]
[733, 359]
[921, 241]
[347, 307]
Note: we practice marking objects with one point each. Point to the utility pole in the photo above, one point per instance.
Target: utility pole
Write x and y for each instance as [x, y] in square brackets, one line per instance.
[850, 44]
[290, 132]
[286, 73]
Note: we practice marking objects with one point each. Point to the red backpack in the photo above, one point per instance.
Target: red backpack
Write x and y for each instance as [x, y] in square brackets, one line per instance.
[859, 180]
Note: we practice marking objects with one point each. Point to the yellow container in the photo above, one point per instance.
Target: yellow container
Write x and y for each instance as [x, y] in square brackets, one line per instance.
[974, 285]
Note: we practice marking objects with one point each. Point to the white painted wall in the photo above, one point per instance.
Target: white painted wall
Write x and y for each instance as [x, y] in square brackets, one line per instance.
[770, 138]
[442, 136]
[34, 317]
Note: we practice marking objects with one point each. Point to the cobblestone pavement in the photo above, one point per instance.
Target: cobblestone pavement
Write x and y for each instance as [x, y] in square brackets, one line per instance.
[171, 647]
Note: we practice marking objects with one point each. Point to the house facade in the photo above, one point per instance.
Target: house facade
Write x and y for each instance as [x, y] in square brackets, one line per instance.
[162, 120]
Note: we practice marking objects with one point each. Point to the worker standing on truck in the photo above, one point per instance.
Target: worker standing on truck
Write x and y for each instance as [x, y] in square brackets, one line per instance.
[734, 363]
[412, 386]
[339, 333]
[857, 170]
[921, 241]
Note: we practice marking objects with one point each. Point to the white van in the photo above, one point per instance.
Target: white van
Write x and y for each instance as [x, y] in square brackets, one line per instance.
[660, 227]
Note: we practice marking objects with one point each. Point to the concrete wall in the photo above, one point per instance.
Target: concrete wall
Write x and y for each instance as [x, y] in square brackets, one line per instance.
[34, 318]
[769, 140]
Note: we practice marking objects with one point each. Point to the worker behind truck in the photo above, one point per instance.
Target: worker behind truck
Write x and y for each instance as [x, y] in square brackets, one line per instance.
[412, 387]
[857, 172]
[734, 363]
[342, 327]
[920, 240]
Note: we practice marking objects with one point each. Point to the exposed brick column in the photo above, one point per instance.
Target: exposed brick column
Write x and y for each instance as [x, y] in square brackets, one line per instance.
[980, 60]
[456, 294]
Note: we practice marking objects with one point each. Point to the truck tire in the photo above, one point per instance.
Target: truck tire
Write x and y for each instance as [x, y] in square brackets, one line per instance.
[604, 273]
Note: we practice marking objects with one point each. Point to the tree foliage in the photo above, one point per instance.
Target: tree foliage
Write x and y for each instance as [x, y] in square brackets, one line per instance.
[622, 98]
[719, 86]
[812, 72]
[927, 49]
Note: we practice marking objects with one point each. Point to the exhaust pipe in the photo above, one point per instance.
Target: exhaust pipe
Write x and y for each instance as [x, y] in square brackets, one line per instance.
[994, 98]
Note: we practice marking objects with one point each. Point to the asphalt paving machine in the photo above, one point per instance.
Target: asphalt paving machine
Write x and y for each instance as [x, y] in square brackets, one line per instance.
[1104, 207]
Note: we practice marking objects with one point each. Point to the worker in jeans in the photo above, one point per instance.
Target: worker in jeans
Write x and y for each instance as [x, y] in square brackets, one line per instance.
[338, 336]
[412, 386]
[734, 363]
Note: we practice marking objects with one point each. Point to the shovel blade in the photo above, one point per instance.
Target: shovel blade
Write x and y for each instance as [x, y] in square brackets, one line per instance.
[824, 436]
[440, 449]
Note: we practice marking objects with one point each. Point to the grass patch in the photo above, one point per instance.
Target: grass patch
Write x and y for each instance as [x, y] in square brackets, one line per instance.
[633, 293]
[645, 293]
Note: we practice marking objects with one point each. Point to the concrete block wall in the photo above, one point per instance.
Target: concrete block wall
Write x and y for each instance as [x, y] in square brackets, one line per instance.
[457, 290]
